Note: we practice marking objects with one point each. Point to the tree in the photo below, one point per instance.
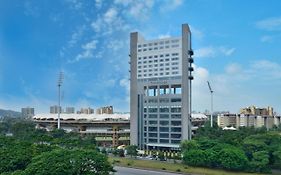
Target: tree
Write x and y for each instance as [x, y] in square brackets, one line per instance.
[233, 159]
[260, 162]
[62, 161]
[188, 145]
[132, 150]
[195, 157]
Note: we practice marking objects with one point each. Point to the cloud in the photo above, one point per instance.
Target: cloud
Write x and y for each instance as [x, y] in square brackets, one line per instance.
[76, 36]
[196, 32]
[167, 35]
[233, 68]
[88, 51]
[170, 5]
[266, 38]
[270, 24]
[210, 52]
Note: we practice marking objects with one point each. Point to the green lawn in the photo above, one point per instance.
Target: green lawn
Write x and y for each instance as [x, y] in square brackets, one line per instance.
[173, 167]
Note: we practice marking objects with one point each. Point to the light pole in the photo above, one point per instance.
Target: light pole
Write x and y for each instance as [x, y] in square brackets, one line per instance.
[190, 78]
[60, 80]
[211, 91]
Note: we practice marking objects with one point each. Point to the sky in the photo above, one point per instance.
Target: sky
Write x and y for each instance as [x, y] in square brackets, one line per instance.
[236, 43]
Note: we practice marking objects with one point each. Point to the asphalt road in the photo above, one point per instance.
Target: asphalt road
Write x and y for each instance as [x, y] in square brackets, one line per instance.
[132, 171]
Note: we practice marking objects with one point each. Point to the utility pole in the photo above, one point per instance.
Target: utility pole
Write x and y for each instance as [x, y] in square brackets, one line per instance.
[60, 80]
[211, 91]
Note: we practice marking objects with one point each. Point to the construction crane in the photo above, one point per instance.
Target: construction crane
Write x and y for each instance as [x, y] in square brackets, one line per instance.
[211, 91]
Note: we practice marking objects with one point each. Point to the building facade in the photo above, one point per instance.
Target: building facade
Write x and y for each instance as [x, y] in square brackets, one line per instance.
[253, 110]
[110, 130]
[69, 110]
[86, 111]
[55, 109]
[105, 110]
[27, 112]
[247, 120]
[159, 91]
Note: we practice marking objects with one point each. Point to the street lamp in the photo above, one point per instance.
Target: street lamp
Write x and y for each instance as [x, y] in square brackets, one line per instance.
[190, 78]
[60, 80]
[211, 91]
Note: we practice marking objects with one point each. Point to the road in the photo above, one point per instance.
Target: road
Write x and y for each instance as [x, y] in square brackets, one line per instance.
[132, 171]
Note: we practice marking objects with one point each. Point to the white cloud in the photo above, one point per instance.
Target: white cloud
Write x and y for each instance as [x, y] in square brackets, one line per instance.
[210, 52]
[88, 51]
[266, 38]
[110, 15]
[270, 24]
[196, 32]
[233, 68]
[167, 35]
[98, 4]
[116, 45]
[76, 36]
[170, 5]
[125, 83]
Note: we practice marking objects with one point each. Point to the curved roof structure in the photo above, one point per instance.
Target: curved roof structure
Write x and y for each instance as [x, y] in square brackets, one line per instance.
[81, 117]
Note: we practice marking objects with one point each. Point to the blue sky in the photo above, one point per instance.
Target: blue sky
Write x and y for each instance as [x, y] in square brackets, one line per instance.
[237, 48]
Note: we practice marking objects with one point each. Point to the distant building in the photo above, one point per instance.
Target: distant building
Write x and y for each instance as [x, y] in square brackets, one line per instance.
[226, 120]
[105, 110]
[27, 112]
[55, 109]
[86, 111]
[108, 129]
[253, 110]
[69, 110]
[247, 120]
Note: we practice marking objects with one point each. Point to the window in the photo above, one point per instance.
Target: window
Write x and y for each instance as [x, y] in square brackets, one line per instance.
[176, 116]
[176, 123]
[152, 116]
[152, 140]
[152, 110]
[152, 135]
[176, 89]
[164, 141]
[152, 122]
[152, 101]
[175, 54]
[175, 59]
[164, 123]
[175, 100]
[167, 55]
[164, 116]
[164, 109]
[176, 109]
[164, 100]
[155, 56]
[175, 136]
[164, 135]
[165, 129]
[175, 63]
[164, 90]
[167, 59]
[152, 91]
[175, 129]
[153, 129]
[175, 141]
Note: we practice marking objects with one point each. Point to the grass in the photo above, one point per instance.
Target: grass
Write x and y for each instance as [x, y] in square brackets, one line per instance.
[172, 167]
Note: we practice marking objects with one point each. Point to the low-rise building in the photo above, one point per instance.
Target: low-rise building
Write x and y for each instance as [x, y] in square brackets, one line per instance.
[247, 120]
[69, 110]
[108, 129]
[86, 111]
[253, 110]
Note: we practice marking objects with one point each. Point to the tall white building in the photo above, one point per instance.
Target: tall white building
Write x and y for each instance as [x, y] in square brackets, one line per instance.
[160, 71]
